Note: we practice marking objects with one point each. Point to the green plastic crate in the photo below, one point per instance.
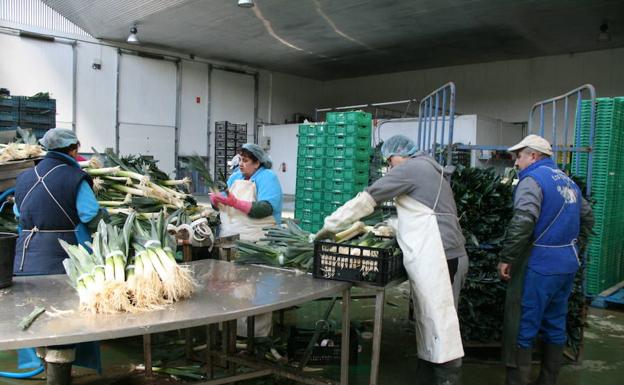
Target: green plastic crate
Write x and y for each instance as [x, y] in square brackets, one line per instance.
[309, 194]
[312, 129]
[310, 226]
[347, 164]
[348, 141]
[349, 130]
[356, 153]
[357, 117]
[310, 161]
[347, 174]
[311, 151]
[310, 183]
[308, 204]
[338, 197]
[310, 172]
[312, 140]
[344, 186]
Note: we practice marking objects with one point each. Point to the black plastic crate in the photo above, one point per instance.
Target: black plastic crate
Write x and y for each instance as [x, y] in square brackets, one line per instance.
[327, 349]
[352, 263]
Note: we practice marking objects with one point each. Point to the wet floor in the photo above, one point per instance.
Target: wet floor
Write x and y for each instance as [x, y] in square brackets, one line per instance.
[602, 363]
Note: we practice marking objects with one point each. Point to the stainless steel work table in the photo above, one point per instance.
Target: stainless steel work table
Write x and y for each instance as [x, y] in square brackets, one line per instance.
[226, 292]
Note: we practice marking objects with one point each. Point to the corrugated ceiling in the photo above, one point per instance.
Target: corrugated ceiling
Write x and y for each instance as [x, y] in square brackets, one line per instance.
[326, 39]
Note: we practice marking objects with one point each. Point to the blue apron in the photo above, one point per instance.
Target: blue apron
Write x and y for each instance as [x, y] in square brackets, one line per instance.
[46, 198]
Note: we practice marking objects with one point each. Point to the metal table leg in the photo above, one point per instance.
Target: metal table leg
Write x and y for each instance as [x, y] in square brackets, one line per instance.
[380, 300]
[346, 324]
[211, 336]
[251, 335]
[231, 345]
[147, 354]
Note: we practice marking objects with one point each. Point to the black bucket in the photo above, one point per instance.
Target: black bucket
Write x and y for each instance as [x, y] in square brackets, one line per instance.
[7, 253]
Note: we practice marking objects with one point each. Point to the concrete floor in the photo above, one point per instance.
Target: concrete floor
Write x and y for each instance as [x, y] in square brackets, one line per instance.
[602, 364]
[603, 357]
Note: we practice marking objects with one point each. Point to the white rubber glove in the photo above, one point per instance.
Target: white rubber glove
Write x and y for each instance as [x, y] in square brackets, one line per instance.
[362, 205]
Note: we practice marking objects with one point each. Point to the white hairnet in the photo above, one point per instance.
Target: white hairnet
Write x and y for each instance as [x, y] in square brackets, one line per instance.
[399, 145]
[258, 152]
[58, 138]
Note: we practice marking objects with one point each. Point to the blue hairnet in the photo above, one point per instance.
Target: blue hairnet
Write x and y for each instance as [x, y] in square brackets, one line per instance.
[258, 152]
[399, 145]
[58, 138]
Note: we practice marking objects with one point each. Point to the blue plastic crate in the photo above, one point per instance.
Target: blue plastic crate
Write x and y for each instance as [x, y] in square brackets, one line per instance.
[10, 116]
[30, 104]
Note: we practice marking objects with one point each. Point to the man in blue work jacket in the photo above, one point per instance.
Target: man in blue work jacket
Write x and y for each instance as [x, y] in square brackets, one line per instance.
[540, 258]
[53, 201]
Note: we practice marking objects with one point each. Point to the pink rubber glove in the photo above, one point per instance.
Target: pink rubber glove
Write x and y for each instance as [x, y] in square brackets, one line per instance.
[230, 200]
[216, 198]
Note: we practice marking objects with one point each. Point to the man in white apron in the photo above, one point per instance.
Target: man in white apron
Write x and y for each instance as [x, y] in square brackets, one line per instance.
[434, 256]
[253, 201]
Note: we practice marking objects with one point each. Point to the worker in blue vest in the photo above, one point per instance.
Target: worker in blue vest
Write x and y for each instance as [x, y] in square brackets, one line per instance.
[53, 201]
[540, 259]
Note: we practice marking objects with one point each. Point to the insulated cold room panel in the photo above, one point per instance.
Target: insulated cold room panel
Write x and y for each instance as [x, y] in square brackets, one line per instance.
[284, 150]
[464, 129]
[95, 96]
[147, 91]
[147, 108]
[154, 141]
[193, 132]
[232, 95]
[29, 66]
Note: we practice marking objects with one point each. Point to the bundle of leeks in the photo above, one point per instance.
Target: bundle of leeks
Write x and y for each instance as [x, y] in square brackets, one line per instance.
[99, 276]
[24, 146]
[135, 184]
[286, 245]
[157, 277]
[113, 279]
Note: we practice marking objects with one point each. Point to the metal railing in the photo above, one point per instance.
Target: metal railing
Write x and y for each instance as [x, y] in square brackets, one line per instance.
[539, 112]
[437, 110]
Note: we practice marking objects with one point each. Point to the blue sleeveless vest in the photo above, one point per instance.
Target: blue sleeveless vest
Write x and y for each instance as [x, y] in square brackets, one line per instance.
[557, 228]
[43, 253]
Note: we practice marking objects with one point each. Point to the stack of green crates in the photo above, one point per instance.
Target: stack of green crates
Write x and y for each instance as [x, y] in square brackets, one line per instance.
[605, 264]
[332, 165]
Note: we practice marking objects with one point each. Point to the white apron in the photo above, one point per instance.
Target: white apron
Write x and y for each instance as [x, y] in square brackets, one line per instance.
[438, 338]
[234, 221]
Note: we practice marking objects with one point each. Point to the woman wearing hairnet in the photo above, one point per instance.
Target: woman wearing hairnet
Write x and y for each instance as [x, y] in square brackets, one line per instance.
[53, 201]
[254, 197]
[431, 239]
[253, 201]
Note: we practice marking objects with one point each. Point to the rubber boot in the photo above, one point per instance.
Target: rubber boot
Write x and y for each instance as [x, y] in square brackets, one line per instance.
[58, 374]
[551, 363]
[424, 373]
[448, 373]
[521, 373]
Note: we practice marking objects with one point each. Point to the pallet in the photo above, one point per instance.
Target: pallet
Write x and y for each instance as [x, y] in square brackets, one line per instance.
[614, 296]
[10, 170]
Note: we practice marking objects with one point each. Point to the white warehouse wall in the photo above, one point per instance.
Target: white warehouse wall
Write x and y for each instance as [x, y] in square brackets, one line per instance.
[38, 65]
[504, 90]
[95, 96]
[29, 66]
